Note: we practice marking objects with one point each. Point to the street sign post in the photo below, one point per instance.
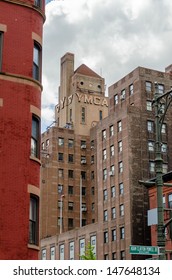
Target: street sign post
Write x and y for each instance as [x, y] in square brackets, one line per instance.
[144, 250]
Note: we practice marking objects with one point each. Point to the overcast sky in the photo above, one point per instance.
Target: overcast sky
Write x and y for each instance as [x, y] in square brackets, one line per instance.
[112, 37]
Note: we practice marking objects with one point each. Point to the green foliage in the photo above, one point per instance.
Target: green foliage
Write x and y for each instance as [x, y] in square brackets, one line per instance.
[89, 254]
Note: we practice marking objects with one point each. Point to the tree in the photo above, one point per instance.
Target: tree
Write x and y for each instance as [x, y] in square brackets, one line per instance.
[89, 253]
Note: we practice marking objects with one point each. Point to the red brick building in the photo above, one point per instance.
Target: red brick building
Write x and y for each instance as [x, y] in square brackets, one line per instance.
[21, 24]
[167, 204]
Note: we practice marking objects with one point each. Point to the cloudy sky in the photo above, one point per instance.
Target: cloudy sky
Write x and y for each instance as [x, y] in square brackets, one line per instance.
[112, 37]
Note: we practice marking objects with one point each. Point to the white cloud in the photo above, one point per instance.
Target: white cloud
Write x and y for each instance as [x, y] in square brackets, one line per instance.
[112, 37]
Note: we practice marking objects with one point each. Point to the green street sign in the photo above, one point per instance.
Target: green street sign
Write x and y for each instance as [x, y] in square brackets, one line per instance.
[144, 250]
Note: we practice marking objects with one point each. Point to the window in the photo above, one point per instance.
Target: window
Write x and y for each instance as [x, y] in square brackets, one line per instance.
[47, 143]
[105, 215]
[70, 223]
[60, 156]
[164, 128]
[112, 170]
[71, 250]
[122, 233]
[150, 126]
[149, 105]
[70, 115]
[113, 213]
[92, 144]
[115, 99]
[106, 257]
[164, 168]
[113, 191]
[170, 200]
[113, 255]
[151, 146]
[111, 130]
[112, 151]
[84, 207]
[161, 88]
[81, 247]
[120, 146]
[43, 254]
[83, 115]
[92, 191]
[1, 43]
[70, 206]
[84, 191]
[60, 188]
[121, 210]
[92, 175]
[105, 237]
[35, 137]
[84, 222]
[121, 188]
[120, 167]
[119, 124]
[93, 243]
[33, 220]
[122, 255]
[37, 3]
[104, 154]
[70, 158]
[105, 195]
[71, 174]
[131, 89]
[104, 174]
[148, 86]
[92, 159]
[83, 144]
[164, 148]
[123, 94]
[61, 251]
[37, 62]
[60, 173]
[70, 143]
[152, 166]
[83, 175]
[92, 206]
[70, 190]
[52, 253]
[61, 141]
[100, 115]
[104, 134]
[113, 234]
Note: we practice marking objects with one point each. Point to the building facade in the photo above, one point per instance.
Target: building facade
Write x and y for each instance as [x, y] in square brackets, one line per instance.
[20, 112]
[119, 152]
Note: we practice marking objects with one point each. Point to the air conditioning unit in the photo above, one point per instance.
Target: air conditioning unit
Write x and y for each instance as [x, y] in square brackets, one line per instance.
[83, 146]
[111, 173]
[92, 161]
[84, 209]
[122, 97]
[83, 161]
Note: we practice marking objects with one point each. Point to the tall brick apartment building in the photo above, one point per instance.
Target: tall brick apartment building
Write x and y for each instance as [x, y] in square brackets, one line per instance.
[111, 154]
[21, 25]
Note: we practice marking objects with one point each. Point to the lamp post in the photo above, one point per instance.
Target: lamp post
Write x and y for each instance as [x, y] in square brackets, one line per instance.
[161, 104]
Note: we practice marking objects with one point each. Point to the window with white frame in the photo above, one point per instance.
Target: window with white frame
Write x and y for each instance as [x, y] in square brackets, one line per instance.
[71, 250]
[150, 126]
[113, 234]
[52, 253]
[148, 86]
[113, 213]
[120, 167]
[164, 148]
[33, 220]
[61, 141]
[93, 244]
[105, 215]
[35, 137]
[151, 166]
[119, 125]
[164, 168]
[103, 134]
[105, 194]
[161, 88]
[115, 99]
[104, 174]
[112, 150]
[43, 254]
[104, 154]
[120, 146]
[122, 233]
[164, 128]
[131, 89]
[106, 239]
[122, 94]
[149, 105]
[61, 251]
[111, 130]
[170, 200]
[113, 191]
[121, 210]
[81, 247]
[151, 146]
[121, 188]
[37, 61]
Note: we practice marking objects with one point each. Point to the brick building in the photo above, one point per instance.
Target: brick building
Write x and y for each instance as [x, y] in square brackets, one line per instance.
[21, 24]
[118, 152]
